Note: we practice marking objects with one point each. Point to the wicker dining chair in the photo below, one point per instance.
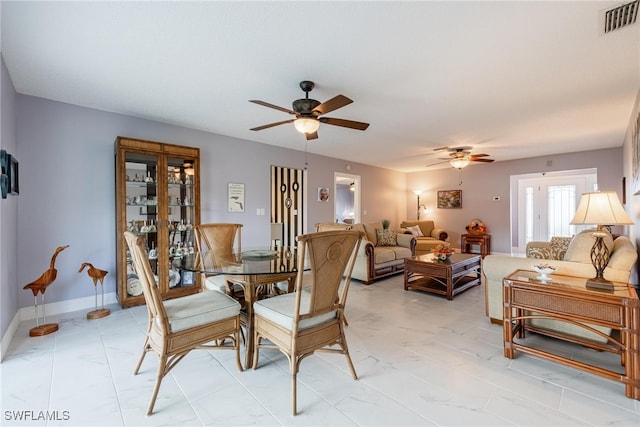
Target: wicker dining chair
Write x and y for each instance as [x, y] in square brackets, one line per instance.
[311, 319]
[179, 325]
[225, 239]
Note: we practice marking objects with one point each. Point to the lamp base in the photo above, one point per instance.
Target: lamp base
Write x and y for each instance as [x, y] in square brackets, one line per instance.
[600, 284]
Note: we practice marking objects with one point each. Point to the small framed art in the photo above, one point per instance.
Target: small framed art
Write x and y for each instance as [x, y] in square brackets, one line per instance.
[450, 199]
[323, 194]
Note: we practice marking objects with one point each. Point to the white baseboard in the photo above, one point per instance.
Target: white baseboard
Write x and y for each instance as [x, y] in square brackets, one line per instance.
[8, 336]
[51, 309]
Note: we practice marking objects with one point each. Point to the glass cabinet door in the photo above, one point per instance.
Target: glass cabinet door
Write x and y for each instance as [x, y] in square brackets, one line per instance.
[141, 199]
[182, 217]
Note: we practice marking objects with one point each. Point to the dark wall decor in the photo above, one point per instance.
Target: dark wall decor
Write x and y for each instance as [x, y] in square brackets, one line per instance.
[13, 175]
[4, 173]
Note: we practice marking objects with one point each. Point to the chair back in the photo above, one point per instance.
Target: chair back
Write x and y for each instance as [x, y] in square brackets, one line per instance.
[222, 238]
[331, 256]
[150, 289]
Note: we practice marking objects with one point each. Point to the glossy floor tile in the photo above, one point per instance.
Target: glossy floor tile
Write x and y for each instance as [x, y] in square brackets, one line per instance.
[421, 360]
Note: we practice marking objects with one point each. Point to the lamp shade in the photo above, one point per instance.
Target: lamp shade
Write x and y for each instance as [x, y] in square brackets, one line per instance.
[306, 125]
[460, 162]
[601, 208]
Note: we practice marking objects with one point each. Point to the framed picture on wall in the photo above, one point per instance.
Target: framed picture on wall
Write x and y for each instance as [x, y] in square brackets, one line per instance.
[13, 184]
[323, 194]
[450, 199]
[235, 194]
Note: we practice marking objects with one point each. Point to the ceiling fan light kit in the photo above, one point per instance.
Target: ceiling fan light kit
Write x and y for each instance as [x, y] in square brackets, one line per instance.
[306, 125]
[308, 112]
[460, 162]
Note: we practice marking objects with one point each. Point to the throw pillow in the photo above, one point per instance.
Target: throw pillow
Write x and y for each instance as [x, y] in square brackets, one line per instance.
[559, 246]
[386, 237]
[415, 231]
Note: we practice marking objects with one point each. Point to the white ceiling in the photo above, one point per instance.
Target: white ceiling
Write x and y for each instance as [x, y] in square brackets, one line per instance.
[511, 79]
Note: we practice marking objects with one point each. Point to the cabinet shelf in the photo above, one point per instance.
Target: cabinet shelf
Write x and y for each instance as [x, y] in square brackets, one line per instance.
[159, 203]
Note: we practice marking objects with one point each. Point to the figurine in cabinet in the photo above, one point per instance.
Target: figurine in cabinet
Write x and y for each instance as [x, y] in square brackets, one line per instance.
[96, 275]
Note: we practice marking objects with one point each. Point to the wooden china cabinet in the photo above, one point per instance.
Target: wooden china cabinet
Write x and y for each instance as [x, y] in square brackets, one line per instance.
[157, 197]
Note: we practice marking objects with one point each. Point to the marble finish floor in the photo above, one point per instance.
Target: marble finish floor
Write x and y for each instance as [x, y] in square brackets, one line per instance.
[422, 360]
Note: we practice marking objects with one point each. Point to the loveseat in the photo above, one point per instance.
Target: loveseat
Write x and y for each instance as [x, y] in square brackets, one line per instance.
[430, 238]
[572, 259]
[377, 257]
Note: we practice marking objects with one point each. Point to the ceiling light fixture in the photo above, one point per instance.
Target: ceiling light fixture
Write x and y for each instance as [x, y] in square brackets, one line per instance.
[460, 162]
[306, 124]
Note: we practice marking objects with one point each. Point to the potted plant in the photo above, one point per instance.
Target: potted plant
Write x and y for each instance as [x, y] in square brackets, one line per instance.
[385, 223]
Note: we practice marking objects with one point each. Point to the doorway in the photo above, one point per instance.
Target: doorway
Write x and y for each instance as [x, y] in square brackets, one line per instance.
[347, 200]
[546, 203]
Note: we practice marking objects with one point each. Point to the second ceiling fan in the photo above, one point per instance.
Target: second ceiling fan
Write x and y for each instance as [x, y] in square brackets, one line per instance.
[460, 157]
[308, 112]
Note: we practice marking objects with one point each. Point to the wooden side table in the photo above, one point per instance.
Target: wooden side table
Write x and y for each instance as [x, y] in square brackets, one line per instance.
[482, 240]
[566, 299]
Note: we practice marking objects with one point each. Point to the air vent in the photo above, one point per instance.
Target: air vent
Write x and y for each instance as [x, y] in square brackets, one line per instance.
[621, 16]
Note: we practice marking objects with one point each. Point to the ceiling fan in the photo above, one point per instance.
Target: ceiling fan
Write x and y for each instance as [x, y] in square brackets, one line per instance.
[308, 112]
[460, 157]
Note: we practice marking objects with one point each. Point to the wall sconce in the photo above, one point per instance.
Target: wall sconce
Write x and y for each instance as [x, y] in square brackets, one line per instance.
[418, 193]
[352, 186]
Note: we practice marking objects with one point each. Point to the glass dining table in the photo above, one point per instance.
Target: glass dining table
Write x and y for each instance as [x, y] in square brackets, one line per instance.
[256, 270]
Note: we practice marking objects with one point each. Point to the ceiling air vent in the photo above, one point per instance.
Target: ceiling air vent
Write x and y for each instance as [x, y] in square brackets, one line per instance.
[621, 16]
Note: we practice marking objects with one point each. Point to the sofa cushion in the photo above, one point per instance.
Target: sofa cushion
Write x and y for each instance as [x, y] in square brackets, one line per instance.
[386, 237]
[624, 255]
[579, 249]
[383, 254]
[370, 231]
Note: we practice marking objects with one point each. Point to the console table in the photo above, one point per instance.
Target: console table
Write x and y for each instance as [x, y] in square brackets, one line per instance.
[482, 240]
[566, 299]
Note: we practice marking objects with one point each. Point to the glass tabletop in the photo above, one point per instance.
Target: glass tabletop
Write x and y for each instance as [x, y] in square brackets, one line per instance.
[252, 261]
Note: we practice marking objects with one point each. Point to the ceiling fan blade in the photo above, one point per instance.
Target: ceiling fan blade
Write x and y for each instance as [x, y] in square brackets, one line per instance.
[344, 123]
[482, 160]
[437, 163]
[480, 155]
[332, 104]
[270, 125]
[266, 104]
[311, 136]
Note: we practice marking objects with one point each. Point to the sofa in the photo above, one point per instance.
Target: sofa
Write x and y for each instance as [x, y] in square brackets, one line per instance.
[569, 256]
[377, 257]
[431, 236]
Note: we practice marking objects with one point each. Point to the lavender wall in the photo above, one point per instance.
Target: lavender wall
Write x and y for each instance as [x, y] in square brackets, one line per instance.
[8, 206]
[67, 188]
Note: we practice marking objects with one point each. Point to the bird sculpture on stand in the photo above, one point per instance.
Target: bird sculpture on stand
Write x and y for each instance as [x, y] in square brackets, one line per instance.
[96, 275]
[40, 286]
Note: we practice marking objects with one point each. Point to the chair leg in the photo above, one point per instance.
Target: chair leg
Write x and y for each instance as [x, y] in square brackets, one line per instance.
[294, 391]
[237, 345]
[162, 366]
[256, 350]
[145, 349]
[345, 350]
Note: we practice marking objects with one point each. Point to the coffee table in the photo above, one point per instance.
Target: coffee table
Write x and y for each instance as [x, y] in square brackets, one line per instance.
[449, 278]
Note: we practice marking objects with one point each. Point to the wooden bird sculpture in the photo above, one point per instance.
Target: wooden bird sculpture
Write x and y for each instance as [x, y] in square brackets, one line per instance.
[96, 275]
[39, 286]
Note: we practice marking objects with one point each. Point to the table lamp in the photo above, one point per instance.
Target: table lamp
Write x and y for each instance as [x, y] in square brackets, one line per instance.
[600, 208]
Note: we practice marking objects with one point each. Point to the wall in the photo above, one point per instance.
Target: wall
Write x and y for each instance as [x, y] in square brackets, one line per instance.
[67, 188]
[633, 201]
[8, 206]
[481, 182]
